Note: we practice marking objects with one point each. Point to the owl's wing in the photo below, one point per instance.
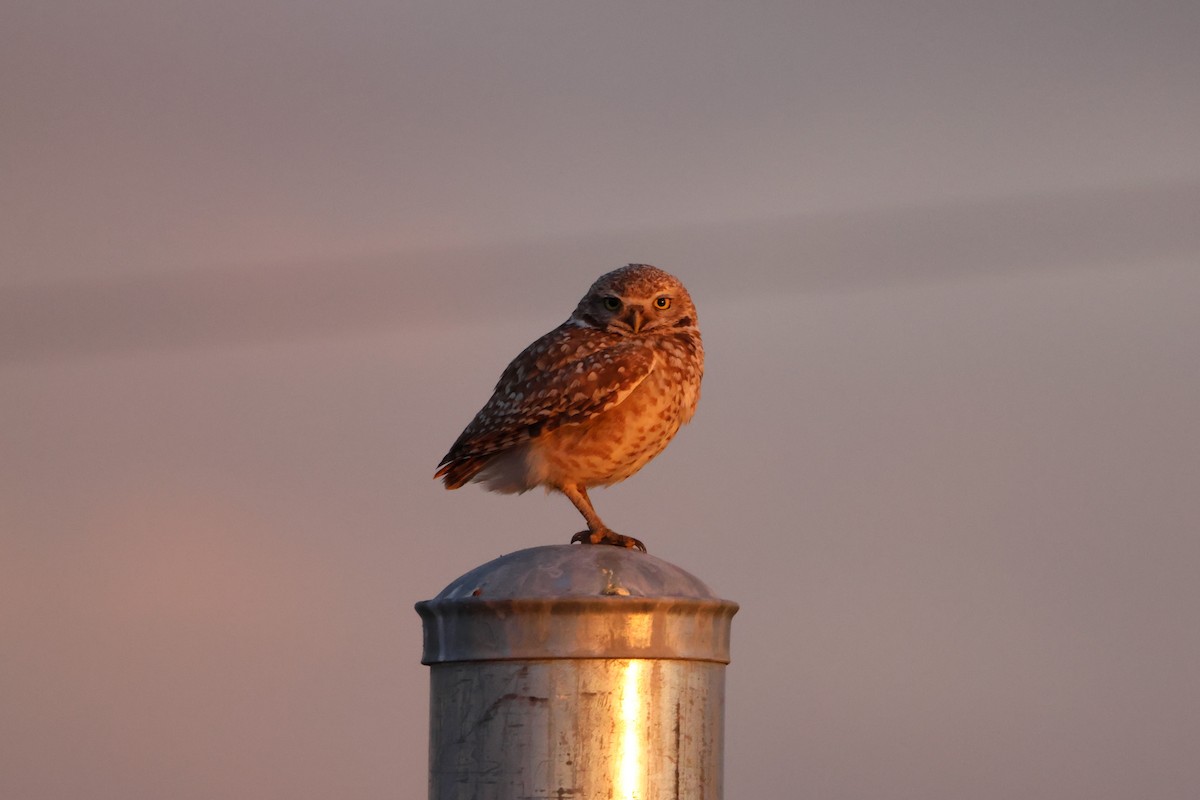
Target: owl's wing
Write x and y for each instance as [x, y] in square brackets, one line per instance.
[553, 383]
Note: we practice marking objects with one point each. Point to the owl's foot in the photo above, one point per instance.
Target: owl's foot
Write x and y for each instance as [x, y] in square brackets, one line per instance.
[605, 536]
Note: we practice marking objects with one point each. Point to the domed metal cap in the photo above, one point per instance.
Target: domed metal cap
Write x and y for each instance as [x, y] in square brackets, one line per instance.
[576, 601]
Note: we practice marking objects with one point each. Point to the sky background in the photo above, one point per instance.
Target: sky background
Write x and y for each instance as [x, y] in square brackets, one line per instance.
[260, 262]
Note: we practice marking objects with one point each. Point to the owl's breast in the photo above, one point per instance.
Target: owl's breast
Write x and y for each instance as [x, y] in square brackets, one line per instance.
[616, 443]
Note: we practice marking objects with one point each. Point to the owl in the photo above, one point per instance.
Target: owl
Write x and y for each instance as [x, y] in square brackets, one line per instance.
[592, 401]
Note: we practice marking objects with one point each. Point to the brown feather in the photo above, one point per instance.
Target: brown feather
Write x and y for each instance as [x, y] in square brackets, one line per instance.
[540, 375]
[458, 473]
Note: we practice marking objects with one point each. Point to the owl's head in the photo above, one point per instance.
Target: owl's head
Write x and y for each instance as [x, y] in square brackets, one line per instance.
[636, 299]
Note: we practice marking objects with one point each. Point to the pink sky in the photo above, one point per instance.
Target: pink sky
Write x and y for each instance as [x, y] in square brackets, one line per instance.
[261, 261]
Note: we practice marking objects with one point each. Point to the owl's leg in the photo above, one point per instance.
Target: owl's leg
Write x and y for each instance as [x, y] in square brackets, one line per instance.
[597, 532]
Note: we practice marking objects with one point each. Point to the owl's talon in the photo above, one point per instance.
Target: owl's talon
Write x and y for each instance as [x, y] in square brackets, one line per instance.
[606, 536]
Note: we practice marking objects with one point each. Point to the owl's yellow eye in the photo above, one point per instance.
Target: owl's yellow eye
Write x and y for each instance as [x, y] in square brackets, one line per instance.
[662, 303]
[612, 303]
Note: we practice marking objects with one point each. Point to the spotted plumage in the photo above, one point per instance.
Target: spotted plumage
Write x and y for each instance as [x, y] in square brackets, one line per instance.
[592, 401]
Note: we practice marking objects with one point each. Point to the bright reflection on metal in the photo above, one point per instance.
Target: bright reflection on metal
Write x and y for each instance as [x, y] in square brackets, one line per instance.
[629, 766]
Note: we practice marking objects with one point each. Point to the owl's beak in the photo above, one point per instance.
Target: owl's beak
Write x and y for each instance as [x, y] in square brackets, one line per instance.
[634, 316]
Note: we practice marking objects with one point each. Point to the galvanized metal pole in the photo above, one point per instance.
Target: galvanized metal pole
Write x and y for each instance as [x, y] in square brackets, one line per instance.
[576, 671]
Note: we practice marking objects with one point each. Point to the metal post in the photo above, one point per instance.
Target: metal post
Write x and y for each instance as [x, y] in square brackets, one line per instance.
[576, 671]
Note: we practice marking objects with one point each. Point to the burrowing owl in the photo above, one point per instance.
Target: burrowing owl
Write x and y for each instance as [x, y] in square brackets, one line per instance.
[592, 401]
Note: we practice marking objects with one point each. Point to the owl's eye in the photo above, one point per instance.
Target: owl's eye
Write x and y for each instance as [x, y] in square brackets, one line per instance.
[612, 303]
[662, 303]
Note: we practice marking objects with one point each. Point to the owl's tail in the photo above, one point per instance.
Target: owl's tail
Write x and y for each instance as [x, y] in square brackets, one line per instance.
[460, 471]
